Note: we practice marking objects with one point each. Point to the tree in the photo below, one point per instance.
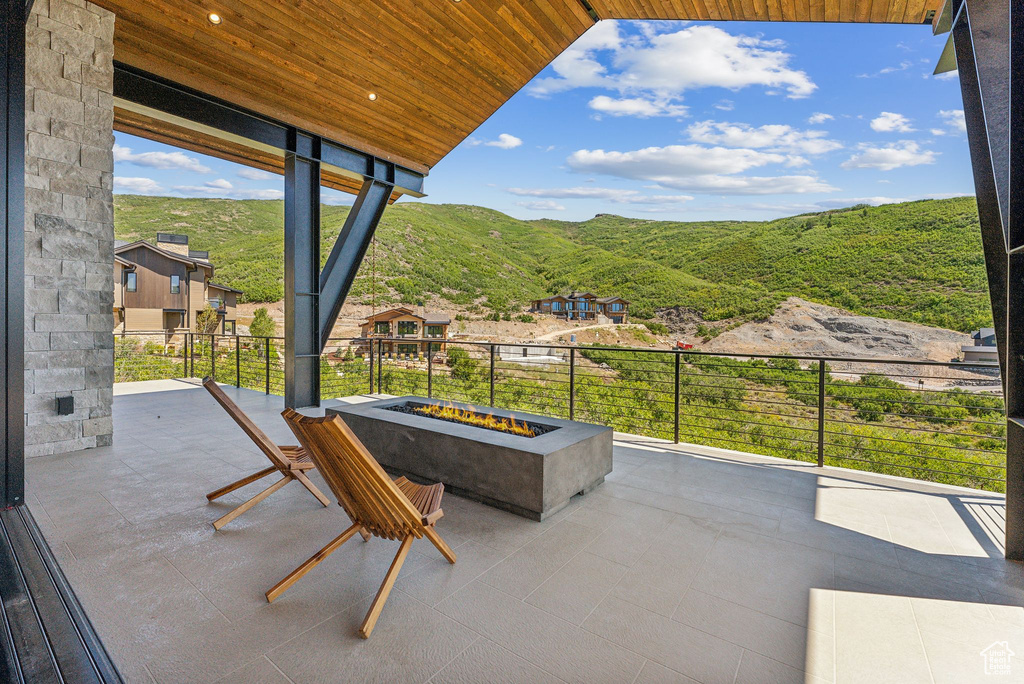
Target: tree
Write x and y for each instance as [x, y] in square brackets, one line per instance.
[207, 320]
[262, 324]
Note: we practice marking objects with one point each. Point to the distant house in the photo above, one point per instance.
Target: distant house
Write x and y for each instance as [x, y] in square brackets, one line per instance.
[163, 287]
[984, 348]
[403, 322]
[583, 306]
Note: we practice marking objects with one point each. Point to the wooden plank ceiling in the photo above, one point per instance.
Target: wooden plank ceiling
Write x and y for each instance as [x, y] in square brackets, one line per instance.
[439, 68]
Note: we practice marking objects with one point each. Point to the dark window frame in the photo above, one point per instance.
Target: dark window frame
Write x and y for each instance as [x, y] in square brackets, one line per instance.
[131, 281]
[175, 284]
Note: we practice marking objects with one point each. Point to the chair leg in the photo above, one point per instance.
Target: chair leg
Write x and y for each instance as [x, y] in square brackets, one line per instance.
[241, 483]
[304, 479]
[364, 533]
[436, 540]
[221, 522]
[314, 561]
[385, 588]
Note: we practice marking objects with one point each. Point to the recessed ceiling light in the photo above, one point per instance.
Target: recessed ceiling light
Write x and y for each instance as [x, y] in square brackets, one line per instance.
[372, 96]
[214, 18]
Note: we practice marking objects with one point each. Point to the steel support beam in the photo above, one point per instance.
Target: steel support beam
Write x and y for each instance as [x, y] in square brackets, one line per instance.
[12, 252]
[302, 273]
[347, 254]
[989, 40]
[141, 91]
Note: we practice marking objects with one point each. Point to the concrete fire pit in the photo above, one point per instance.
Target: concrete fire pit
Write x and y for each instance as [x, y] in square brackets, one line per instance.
[530, 476]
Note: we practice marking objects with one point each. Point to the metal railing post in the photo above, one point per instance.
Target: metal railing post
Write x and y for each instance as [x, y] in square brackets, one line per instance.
[213, 358]
[676, 403]
[572, 384]
[370, 351]
[430, 371]
[267, 363]
[821, 413]
[238, 362]
[184, 354]
[380, 365]
[192, 355]
[492, 374]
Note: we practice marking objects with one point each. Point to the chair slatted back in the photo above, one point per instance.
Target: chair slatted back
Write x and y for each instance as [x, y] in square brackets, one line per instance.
[364, 490]
[250, 428]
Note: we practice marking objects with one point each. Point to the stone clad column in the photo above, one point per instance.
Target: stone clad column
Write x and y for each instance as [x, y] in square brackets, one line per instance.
[69, 226]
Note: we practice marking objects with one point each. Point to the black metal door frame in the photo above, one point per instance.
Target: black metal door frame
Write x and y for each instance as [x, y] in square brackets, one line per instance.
[12, 281]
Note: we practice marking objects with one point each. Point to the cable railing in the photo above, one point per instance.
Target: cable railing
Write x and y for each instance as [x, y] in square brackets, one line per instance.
[938, 421]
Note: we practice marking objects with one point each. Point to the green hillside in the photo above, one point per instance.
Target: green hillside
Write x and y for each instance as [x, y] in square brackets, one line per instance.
[917, 261]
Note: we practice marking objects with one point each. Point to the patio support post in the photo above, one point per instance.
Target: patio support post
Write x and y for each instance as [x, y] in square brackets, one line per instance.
[989, 40]
[302, 345]
[12, 251]
[492, 375]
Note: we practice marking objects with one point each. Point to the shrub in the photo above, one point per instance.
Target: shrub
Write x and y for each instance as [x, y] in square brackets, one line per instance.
[207, 320]
[262, 324]
[656, 328]
[525, 318]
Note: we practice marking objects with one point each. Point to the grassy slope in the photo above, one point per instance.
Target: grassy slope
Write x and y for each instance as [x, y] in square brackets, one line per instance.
[918, 261]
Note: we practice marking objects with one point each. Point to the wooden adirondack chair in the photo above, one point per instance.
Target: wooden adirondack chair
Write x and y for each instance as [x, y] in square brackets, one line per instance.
[291, 462]
[377, 505]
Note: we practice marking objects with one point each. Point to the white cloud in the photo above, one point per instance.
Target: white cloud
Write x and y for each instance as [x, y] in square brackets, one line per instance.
[219, 184]
[773, 137]
[725, 105]
[902, 66]
[662, 66]
[255, 174]
[636, 106]
[541, 205]
[504, 141]
[697, 168]
[159, 160]
[947, 75]
[889, 122]
[212, 190]
[954, 118]
[139, 186]
[577, 66]
[617, 195]
[819, 118]
[938, 131]
[889, 157]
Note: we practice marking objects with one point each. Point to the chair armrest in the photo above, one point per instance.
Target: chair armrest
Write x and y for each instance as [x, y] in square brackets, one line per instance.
[433, 517]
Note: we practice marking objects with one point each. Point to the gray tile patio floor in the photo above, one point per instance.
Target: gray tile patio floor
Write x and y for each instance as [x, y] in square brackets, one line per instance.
[688, 564]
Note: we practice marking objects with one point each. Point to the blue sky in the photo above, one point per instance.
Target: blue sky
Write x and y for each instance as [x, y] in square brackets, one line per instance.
[680, 120]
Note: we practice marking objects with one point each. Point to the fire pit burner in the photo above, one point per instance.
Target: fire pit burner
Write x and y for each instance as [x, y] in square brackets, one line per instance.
[470, 416]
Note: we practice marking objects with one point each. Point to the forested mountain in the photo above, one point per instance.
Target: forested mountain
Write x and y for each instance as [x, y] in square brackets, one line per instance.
[916, 261]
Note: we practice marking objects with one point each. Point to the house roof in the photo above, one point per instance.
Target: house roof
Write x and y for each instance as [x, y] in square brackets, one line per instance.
[392, 313]
[984, 332]
[124, 262]
[446, 68]
[429, 318]
[225, 288]
[170, 255]
[606, 300]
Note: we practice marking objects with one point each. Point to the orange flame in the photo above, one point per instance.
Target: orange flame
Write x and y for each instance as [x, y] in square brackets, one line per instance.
[470, 416]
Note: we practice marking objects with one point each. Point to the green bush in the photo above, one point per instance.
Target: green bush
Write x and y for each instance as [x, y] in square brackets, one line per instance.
[262, 324]
[656, 328]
